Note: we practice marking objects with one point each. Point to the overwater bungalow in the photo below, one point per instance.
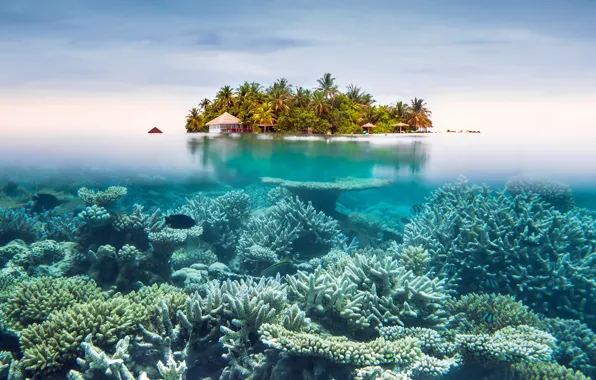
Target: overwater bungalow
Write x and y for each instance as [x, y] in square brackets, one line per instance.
[227, 123]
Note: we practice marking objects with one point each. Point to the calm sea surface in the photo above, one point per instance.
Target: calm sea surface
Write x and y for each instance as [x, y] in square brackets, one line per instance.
[239, 160]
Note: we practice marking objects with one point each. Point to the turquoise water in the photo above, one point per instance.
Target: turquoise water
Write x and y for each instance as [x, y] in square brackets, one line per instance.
[233, 257]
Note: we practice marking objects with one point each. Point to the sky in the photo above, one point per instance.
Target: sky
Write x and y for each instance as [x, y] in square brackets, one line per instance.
[524, 66]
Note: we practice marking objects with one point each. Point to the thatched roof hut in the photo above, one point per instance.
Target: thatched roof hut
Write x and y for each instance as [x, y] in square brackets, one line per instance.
[400, 125]
[155, 130]
[367, 127]
[224, 123]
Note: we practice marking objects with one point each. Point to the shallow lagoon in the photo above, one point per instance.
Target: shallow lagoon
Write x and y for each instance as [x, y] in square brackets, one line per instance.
[392, 268]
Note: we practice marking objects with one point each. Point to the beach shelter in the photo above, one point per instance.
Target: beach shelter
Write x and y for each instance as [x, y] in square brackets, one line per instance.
[224, 123]
[155, 130]
[267, 127]
[367, 127]
[400, 125]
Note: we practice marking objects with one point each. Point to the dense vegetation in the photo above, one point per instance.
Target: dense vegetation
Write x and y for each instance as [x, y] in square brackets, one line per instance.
[323, 109]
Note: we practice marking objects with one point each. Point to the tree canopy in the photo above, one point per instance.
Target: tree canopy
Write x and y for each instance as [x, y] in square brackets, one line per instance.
[322, 109]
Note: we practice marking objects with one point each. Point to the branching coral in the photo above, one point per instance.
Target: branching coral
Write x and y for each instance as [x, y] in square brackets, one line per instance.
[47, 346]
[486, 313]
[576, 344]
[290, 226]
[556, 193]
[32, 300]
[403, 352]
[370, 291]
[415, 259]
[221, 217]
[102, 198]
[95, 216]
[498, 243]
[508, 345]
[18, 224]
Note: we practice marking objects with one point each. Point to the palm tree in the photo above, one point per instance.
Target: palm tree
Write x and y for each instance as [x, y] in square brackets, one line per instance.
[194, 121]
[401, 110]
[302, 97]
[419, 115]
[370, 115]
[319, 103]
[354, 93]
[264, 115]
[204, 103]
[280, 94]
[225, 97]
[327, 85]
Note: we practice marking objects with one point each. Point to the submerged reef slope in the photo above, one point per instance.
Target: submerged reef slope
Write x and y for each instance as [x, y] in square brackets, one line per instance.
[518, 245]
[485, 284]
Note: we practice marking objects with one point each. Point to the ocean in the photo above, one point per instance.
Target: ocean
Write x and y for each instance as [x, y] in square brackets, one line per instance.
[197, 256]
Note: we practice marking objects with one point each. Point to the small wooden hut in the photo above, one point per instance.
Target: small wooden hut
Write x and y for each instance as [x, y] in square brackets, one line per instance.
[155, 130]
[226, 123]
[367, 127]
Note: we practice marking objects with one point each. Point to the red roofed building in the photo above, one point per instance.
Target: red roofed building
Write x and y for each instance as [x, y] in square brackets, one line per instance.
[155, 130]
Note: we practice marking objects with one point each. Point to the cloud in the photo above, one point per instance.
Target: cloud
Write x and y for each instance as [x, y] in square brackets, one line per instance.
[186, 50]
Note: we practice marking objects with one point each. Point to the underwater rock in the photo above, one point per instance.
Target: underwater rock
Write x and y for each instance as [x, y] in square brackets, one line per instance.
[218, 268]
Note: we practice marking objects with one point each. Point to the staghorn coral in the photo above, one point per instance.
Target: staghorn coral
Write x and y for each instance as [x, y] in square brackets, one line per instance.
[379, 373]
[498, 243]
[556, 193]
[403, 353]
[18, 224]
[221, 217]
[49, 345]
[576, 344]
[413, 258]
[469, 313]
[278, 194]
[62, 227]
[289, 227]
[102, 198]
[166, 241]
[96, 361]
[541, 371]
[508, 345]
[370, 291]
[32, 300]
[56, 341]
[5, 361]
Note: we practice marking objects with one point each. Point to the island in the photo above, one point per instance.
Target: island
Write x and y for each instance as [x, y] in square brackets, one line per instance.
[284, 108]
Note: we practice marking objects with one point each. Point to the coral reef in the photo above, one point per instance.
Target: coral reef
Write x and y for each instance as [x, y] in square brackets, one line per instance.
[290, 227]
[370, 291]
[323, 195]
[522, 245]
[468, 285]
[556, 193]
[103, 198]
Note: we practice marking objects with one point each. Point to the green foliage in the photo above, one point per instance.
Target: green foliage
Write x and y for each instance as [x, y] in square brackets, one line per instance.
[322, 109]
[297, 120]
